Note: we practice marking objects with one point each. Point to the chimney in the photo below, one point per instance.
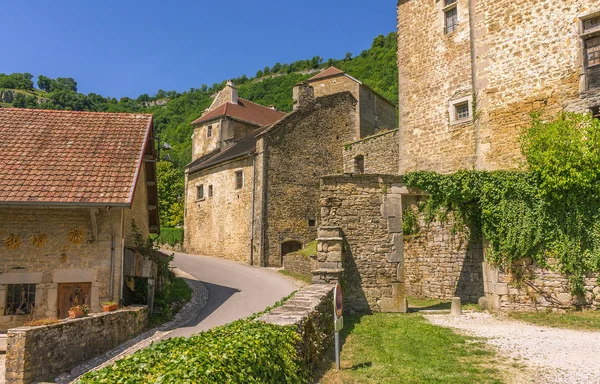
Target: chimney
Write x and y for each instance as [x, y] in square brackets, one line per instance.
[230, 88]
[303, 95]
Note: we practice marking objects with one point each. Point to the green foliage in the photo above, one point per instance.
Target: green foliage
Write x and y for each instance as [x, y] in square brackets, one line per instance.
[410, 222]
[147, 249]
[16, 81]
[171, 236]
[171, 190]
[549, 212]
[244, 351]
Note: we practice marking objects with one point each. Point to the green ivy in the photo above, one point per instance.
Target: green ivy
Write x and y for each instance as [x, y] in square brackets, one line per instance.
[548, 211]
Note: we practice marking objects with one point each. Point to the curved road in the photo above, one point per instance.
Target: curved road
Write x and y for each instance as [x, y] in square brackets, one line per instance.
[235, 290]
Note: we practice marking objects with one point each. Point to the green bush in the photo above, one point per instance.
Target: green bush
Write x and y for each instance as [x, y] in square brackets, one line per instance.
[244, 351]
[171, 236]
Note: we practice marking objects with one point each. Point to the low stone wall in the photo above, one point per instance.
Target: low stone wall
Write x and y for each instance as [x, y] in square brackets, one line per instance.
[40, 353]
[297, 263]
[380, 153]
[532, 288]
[311, 310]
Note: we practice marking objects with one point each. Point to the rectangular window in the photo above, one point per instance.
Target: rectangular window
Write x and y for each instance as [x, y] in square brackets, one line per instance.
[450, 16]
[461, 111]
[20, 299]
[595, 112]
[210, 191]
[239, 179]
[591, 24]
[200, 192]
[312, 222]
[209, 131]
[592, 51]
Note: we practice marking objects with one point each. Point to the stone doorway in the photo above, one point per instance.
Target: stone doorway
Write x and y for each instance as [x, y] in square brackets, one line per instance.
[70, 294]
[289, 247]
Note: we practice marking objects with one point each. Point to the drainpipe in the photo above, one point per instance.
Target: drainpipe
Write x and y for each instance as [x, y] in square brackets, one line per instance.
[112, 254]
[122, 255]
[252, 208]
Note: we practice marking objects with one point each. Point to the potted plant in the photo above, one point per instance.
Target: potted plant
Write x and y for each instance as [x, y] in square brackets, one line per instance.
[109, 306]
[77, 311]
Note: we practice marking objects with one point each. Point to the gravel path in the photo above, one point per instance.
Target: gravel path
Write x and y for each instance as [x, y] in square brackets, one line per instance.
[552, 355]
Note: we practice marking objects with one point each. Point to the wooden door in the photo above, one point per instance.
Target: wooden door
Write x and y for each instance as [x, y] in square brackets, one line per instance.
[70, 294]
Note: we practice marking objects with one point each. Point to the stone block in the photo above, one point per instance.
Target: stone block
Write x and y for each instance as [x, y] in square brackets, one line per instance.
[500, 288]
[392, 206]
[394, 224]
[334, 256]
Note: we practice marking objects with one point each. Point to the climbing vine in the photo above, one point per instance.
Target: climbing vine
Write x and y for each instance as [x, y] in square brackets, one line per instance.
[146, 247]
[548, 211]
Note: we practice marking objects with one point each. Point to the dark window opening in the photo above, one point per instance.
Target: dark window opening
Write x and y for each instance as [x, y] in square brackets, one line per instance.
[591, 24]
[312, 222]
[359, 164]
[596, 112]
[290, 246]
[210, 191]
[20, 299]
[209, 131]
[461, 111]
[200, 192]
[450, 16]
[239, 179]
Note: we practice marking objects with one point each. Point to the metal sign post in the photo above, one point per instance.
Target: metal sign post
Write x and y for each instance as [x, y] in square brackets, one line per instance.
[338, 321]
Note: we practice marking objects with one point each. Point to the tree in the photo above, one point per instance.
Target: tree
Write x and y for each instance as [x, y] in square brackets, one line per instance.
[170, 194]
[65, 83]
[44, 83]
[348, 56]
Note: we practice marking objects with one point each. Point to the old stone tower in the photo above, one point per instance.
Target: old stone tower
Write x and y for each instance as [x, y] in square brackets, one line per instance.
[472, 71]
[252, 189]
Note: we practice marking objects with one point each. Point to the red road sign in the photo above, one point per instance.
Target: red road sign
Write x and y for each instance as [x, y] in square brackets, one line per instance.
[339, 306]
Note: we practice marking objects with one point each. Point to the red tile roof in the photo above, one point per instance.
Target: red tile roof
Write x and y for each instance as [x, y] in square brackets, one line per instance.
[65, 157]
[244, 110]
[329, 72]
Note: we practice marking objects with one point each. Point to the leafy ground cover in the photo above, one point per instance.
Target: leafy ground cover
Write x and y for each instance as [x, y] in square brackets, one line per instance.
[586, 320]
[172, 298]
[392, 348]
[171, 236]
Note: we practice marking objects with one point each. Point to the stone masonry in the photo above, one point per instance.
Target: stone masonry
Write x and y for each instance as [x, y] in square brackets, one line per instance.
[40, 353]
[379, 153]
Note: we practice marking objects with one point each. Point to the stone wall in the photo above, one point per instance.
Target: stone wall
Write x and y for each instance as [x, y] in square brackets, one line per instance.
[41, 353]
[201, 143]
[380, 153]
[509, 58]
[441, 264]
[532, 288]
[311, 310]
[296, 153]
[220, 225]
[297, 263]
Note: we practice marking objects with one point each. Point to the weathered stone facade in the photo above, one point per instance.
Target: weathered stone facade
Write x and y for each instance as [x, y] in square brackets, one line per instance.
[96, 261]
[40, 353]
[220, 224]
[505, 59]
[298, 263]
[377, 154]
[380, 265]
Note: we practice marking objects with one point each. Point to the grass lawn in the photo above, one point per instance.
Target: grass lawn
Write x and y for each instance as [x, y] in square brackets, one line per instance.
[417, 303]
[396, 348]
[297, 276]
[586, 320]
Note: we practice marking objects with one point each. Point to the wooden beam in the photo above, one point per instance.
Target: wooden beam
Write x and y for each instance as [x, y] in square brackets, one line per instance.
[93, 213]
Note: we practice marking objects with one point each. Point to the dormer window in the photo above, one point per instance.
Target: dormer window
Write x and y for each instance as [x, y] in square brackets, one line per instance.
[209, 131]
[450, 16]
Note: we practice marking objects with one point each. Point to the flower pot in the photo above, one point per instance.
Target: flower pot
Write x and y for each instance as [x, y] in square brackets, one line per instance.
[75, 314]
[110, 308]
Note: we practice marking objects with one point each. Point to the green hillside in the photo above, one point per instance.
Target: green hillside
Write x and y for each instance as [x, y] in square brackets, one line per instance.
[174, 111]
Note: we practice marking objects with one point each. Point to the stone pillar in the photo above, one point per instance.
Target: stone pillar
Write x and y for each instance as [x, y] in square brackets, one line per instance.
[330, 254]
[303, 94]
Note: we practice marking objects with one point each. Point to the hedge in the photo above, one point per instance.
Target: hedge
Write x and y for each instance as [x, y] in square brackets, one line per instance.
[171, 236]
[244, 351]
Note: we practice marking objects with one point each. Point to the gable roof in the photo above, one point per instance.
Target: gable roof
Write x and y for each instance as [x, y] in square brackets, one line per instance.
[71, 158]
[244, 110]
[329, 72]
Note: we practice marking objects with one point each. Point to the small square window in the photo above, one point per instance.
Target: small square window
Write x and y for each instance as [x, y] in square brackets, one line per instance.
[200, 192]
[312, 222]
[591, 24]
[210, 191]
[20, 299]
[209, 131]
[450, 17]
[461, 111]
[239, 180]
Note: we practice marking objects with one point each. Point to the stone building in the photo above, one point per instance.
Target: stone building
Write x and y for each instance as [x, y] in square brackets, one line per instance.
[70, 185]
[252, 189]
[470, 75]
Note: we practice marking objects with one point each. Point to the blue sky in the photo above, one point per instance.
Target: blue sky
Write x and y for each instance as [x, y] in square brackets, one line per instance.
[127, 48]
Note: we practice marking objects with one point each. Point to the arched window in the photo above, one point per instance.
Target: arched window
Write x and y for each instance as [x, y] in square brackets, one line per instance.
[290, 246]
[359, 164]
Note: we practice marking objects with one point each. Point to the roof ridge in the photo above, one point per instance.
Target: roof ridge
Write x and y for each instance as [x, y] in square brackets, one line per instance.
[260, 105]
[74, 112]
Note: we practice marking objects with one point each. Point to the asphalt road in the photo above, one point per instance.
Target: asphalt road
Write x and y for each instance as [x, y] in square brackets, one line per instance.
[235, 290]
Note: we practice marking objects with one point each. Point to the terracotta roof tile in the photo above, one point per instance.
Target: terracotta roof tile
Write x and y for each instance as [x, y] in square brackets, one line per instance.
[331, 71]
[70, 157]
[244, 110]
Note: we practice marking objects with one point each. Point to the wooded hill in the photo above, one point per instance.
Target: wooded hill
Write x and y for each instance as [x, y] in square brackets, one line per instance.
[174, 111]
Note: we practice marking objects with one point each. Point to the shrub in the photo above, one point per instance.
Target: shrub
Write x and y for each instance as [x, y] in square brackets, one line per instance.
[244, 351]
[170, 236]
